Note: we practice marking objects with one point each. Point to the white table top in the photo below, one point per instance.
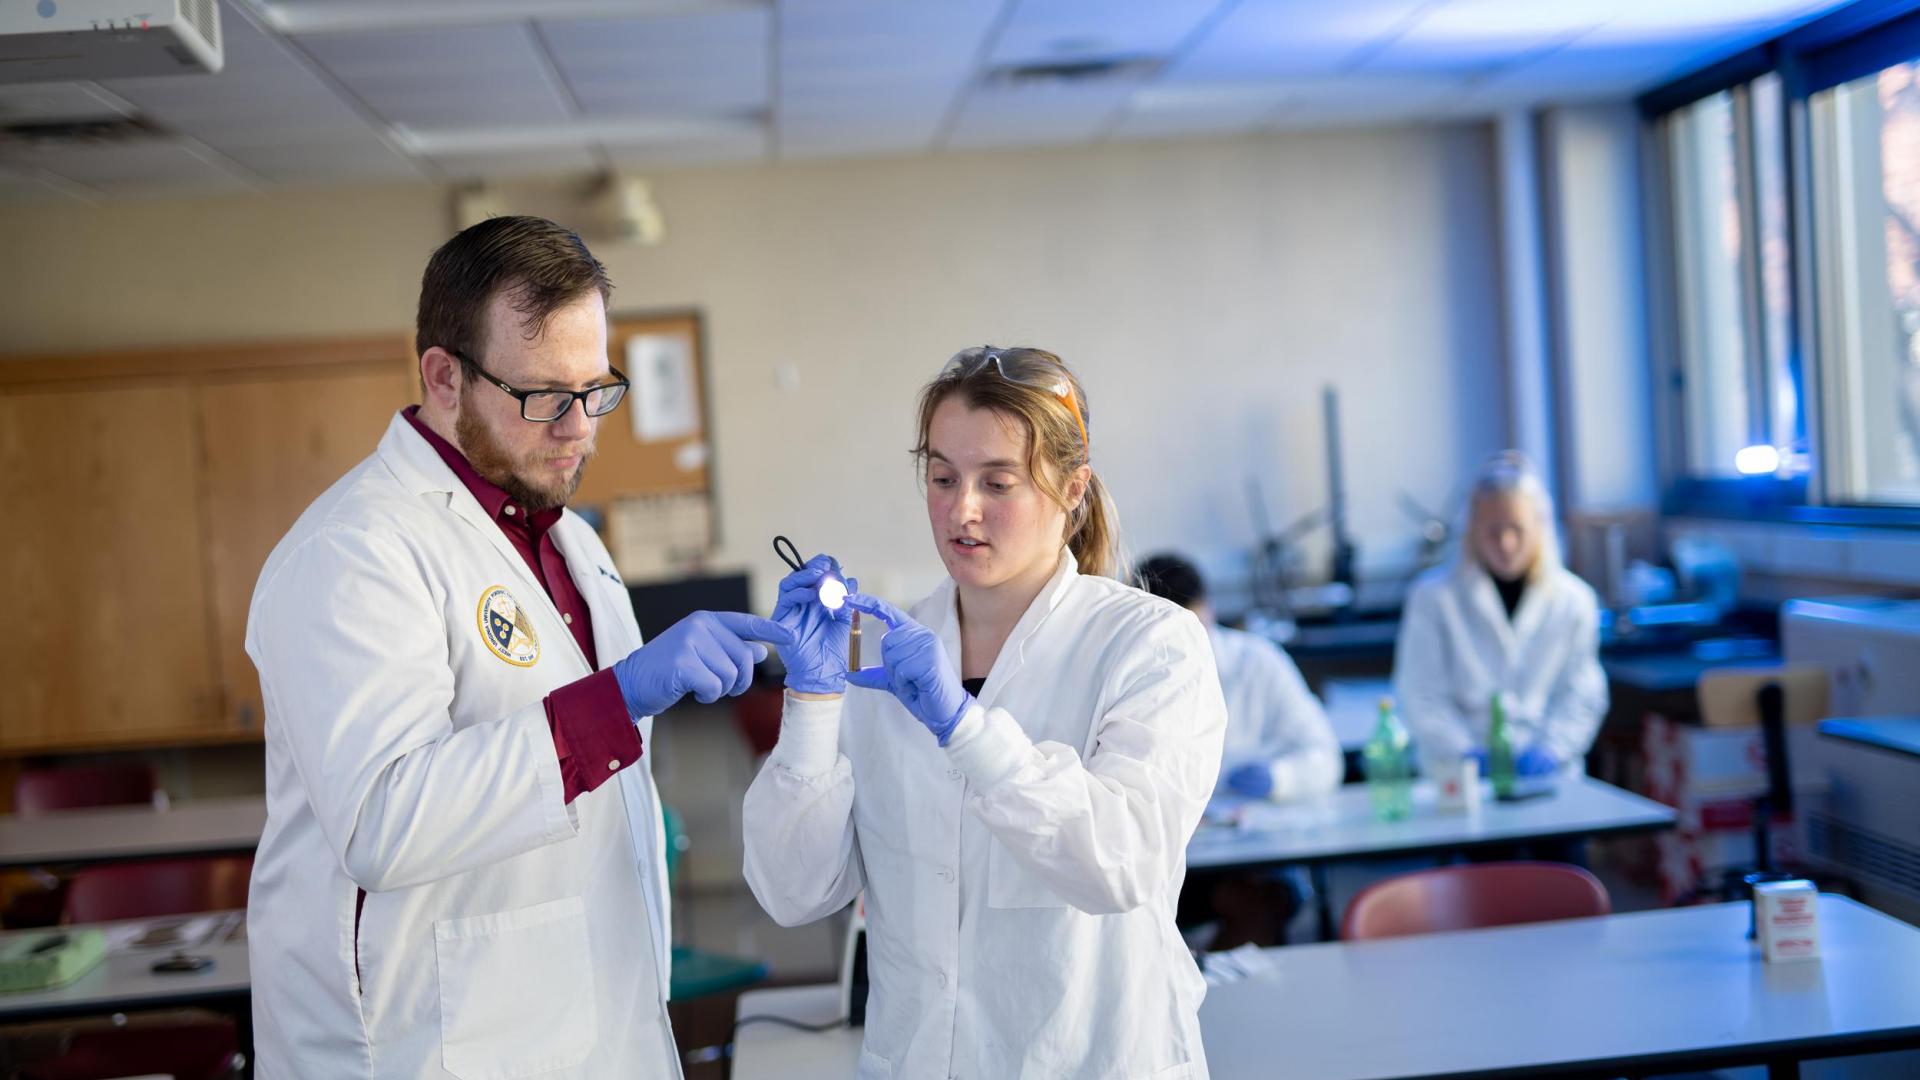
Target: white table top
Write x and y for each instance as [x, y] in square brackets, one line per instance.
[1342, 825]
[110, 833]
[1675, 986]
[775, 1050]
[124, 980]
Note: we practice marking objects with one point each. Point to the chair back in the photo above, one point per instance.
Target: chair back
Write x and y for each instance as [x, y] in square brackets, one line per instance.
[167, 887]
[39, 791]
[1471, 896]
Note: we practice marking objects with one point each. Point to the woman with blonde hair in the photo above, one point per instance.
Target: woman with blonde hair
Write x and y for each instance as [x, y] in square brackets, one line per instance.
[1015, 784]
[1505, 617]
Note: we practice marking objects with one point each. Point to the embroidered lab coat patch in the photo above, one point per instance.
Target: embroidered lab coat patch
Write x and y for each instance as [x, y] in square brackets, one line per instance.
[506, 629]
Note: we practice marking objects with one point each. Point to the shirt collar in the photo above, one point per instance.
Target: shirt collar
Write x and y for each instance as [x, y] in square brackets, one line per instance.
[491, 496]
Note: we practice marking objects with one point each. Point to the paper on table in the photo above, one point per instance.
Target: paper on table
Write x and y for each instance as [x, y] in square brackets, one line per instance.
[1248, 961]
[1259, 815]
[184, 932]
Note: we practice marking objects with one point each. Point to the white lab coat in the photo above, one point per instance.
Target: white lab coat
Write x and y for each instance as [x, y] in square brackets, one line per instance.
[1272, 718]
[504, 933]
[1457, 647]
[1020, 883]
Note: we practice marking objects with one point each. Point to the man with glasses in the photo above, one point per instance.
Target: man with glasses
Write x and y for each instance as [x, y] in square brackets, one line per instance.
[463, 872]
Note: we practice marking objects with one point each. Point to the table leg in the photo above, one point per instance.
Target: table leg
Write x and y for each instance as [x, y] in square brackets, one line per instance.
[1322, 902]
[243, 1029]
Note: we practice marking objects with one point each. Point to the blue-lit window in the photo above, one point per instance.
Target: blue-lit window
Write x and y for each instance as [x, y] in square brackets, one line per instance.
[1867, 183]
[1788, 206]
[1736, 378]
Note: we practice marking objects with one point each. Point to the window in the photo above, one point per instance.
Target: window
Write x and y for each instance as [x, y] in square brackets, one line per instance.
[1787, 195]
[1713, 333]
[1738, 381]
[1867, 185]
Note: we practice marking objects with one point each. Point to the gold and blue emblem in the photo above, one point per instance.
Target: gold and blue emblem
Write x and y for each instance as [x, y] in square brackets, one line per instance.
[506, 629]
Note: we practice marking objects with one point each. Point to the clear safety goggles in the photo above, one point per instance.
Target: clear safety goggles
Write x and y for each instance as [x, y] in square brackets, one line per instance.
[1028, 367]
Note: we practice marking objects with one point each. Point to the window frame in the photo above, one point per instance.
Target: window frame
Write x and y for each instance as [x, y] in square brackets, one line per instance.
[1855, 41]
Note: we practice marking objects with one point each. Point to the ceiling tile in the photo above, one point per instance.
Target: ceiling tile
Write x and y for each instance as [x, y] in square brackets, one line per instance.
[1025, 115]
[710, 63]
[149, 167]
[1043, 31]
[448, 76]
[318, 162]
[264, 93]
[547, 161]
[360, 16]
[745, 148]
[873, 76]
[1189, 123]
[58, 102]
[1272, 38]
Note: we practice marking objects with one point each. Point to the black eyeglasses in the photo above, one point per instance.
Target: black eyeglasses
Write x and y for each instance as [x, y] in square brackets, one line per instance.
[546, 406]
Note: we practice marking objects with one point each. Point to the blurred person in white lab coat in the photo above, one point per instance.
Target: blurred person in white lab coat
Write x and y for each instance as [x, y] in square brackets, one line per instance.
[462, 873]
[1279, 746]
[1014, 785]
[1507, 617]
[1279, 743]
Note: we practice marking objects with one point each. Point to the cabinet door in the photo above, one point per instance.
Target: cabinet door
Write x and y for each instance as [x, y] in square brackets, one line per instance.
[270, 447]
[104, 630]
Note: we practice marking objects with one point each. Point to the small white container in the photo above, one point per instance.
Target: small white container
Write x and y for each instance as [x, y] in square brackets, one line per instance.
[1459, 787]
[1788, 917]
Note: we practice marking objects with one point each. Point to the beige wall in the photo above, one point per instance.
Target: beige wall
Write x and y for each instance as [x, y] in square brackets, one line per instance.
[1204, 290]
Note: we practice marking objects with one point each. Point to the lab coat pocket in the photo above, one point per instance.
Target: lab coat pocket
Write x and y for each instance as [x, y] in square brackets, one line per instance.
[1012, 885]
[516, 991]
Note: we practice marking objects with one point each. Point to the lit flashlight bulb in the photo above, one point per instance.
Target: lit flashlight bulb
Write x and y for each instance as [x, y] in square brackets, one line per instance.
[833, 593]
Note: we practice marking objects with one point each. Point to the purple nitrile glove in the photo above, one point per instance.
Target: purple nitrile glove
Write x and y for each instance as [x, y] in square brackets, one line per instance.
[913, 668]
[1254, 780]
[1536, 761]
[709, 654]
[816, 661]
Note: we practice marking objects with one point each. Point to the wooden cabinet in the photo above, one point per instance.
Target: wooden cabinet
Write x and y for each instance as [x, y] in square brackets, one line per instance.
[144, 492]
[268, 448]
[104, 619]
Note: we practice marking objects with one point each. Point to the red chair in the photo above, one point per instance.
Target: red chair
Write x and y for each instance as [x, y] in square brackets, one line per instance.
[188, 1046]
[1466, 897]
[172, 887]
[41, 790]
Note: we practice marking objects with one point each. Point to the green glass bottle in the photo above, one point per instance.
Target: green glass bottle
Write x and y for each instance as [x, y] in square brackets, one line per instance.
[1389, 760]
[1500, 750]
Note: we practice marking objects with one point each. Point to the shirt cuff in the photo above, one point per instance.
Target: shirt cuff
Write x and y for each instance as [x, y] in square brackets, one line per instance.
[593, 736]
[987, 745]
[809, 736]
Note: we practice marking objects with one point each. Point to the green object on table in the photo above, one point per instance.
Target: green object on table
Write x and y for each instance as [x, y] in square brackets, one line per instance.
[697, 973]
[42, 961]
[1500, 755]
[1389, 761]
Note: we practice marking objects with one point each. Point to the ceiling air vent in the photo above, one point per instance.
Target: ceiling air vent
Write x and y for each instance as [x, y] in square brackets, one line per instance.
[117, 130]
[1080, 71]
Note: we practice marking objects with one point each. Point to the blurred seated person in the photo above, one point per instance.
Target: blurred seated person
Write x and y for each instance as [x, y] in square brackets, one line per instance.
[1279, 746]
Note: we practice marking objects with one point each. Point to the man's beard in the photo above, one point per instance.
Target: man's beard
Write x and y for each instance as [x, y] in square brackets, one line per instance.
[492, 461]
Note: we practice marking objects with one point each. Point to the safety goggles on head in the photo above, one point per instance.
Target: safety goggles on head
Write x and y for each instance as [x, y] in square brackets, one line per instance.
[1028, 367]
[546, 406]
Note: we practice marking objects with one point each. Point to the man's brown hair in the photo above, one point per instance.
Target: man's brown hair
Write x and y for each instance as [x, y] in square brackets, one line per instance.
[543, 266]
